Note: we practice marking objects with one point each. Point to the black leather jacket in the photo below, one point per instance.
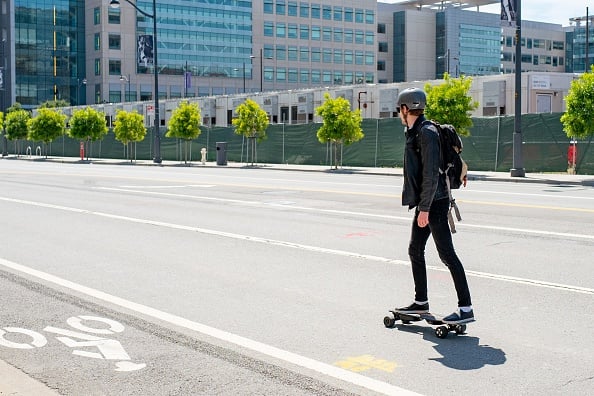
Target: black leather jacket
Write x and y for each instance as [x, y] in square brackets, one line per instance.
[422, 181]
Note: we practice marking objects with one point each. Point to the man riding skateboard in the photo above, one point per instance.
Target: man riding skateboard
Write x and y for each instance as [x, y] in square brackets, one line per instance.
[425, 190]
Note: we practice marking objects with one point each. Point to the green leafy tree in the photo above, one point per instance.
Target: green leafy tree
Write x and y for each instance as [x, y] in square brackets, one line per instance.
[578, 119]
[129, 127]
[15, 124]
[46, 126]
[87, 125]
[341, 125]
[185, 124]
[449, 103]
[251, 122]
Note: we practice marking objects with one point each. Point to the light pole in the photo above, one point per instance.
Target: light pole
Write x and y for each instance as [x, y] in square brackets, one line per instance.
[3, 90]
[116, 4]
[124, 78]
[79, 84]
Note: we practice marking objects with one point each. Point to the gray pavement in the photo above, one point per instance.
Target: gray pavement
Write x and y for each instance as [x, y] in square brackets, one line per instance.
[14, 382]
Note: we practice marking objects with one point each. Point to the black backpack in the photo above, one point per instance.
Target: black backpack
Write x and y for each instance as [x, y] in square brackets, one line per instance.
[452, 165]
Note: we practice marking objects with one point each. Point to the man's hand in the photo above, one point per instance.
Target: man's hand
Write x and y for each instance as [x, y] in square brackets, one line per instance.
[423, 219]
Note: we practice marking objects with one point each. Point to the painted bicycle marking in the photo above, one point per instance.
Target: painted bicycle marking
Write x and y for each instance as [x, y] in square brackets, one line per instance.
[79, 340]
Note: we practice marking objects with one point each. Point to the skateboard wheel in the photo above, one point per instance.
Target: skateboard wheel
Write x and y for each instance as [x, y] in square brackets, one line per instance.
[441, 332]
[389, 322]
[461, 329]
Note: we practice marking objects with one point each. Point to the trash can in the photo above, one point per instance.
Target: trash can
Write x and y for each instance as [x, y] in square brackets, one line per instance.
[221, 153]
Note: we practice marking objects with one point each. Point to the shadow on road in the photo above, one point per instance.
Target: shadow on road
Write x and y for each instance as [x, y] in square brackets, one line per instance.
[460, 352]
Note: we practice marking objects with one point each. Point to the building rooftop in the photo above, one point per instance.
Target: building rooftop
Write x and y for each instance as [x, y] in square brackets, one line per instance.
[441, 4]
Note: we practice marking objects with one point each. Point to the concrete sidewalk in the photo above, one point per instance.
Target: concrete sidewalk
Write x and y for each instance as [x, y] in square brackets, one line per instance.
[545, 178]
[14, 382]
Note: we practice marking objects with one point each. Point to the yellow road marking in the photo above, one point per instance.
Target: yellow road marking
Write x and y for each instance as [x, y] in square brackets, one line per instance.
[361, 363]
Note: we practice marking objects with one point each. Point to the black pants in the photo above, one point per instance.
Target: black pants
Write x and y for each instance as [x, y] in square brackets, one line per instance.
[440, 229]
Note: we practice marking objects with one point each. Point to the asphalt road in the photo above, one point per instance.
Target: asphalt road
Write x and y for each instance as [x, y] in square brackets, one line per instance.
[136, 280]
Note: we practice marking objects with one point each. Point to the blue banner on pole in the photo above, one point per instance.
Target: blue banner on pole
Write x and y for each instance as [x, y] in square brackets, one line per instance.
[188, 78]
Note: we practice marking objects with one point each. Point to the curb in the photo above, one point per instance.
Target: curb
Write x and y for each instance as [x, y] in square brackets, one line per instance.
[16, 383]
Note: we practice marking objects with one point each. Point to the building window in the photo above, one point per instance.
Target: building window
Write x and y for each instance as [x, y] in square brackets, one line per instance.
[292, 75]
[381, 28]
[316, 55]
[281, 74]
[369, 58]
[348, 35]
[97, 41]
[304, 32]
[382, 47]
[316, 77]
[359, 16]
[327, 35]
[304, 10]
[558, 45]
[337, 35]
[327, 55]
[97, 16]
[292, 53]
[304, 76]
[338, 13]
[315, 33]
[359, 36]
[281, 30]
[115, 67]
[381, 65]
[337, 56]
[268, 29]
[281, 8]
[369, 17]
[292, 8]
[292, 31]
[281, 52]
[369, 38]
[315, 11]
[348, 14]
[113, 16]
[327, 12]
[327, 77]
[359, 57]
[115, 42]
[304, 54]
[98, 67]
[268, 7]
[348, 57]
[337, 77]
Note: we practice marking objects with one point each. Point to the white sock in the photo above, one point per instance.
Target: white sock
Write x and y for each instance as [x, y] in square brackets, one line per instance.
[466, 309]
[421, 302]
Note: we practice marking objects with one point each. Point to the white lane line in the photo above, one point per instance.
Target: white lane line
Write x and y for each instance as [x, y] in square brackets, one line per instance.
[171, 186]
[301, 361]
[522, 231]
[292, 245]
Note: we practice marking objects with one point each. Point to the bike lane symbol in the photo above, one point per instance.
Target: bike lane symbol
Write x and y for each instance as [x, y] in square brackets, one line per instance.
[108, 349]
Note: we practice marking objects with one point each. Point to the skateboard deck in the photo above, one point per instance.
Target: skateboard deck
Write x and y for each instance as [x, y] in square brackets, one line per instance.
[441, 331]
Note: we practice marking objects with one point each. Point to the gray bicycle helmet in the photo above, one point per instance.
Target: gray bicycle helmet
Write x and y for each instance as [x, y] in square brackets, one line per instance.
[413, 98]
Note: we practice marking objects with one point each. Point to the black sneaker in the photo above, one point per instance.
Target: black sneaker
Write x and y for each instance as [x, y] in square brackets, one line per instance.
[459, 317]
[414, 308]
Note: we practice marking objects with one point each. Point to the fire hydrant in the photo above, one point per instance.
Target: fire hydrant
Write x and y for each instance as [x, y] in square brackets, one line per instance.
[203, 152]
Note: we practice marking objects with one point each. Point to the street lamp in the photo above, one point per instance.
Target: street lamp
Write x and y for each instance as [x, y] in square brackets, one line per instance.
[79, 84]
[124, 78]
[116, 4]
[261, 67]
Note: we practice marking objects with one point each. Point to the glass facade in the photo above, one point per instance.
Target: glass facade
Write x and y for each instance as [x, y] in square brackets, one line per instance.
[49, 51]
[480, 50]
[208, 39]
